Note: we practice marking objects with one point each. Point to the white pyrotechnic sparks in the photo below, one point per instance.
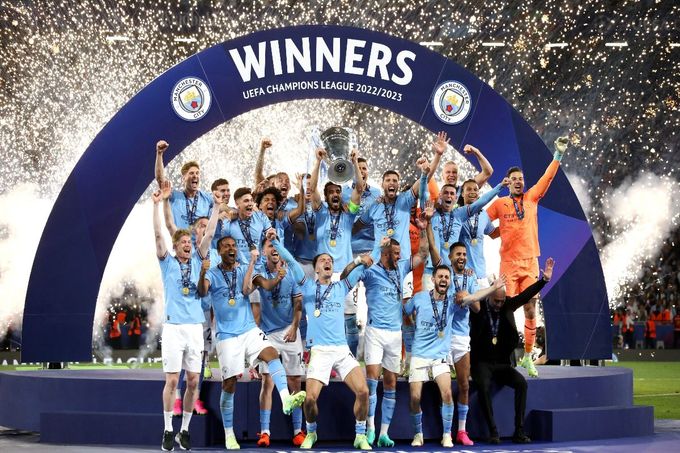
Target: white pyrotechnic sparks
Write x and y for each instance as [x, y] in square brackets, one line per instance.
[66, 69]
[642, 212]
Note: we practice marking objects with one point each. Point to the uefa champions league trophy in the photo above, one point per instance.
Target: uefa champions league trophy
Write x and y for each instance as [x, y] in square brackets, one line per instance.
[338, 141]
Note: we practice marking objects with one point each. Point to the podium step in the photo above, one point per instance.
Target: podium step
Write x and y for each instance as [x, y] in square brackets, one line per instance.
[588, 423]
[120, 428]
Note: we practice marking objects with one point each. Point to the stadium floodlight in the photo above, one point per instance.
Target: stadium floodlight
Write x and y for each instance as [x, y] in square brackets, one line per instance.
[493, 44]
[616, 44]
[431, 43]
[187, 40]
[552, 45]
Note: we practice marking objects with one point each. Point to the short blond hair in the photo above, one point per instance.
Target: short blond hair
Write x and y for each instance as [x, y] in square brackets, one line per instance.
[188, 165]
[177, 235]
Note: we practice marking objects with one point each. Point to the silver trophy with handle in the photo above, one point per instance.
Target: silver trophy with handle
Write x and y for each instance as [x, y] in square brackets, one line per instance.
[338, 141]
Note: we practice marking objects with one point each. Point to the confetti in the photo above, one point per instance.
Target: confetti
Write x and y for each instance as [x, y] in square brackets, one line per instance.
[67, 68]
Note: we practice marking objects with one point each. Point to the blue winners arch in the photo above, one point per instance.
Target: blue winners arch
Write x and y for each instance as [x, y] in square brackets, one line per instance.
[280, 65]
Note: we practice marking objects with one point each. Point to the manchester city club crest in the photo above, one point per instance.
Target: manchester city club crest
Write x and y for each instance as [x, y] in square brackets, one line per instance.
[191, 98]
[451, 102]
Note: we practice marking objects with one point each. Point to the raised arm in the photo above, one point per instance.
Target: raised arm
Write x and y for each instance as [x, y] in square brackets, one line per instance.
[269, 284]
[431, 243]
[539, 190]
[424, 167]
[298, 210]
[439, 147]
[161, 247]
[159, 169]
[428, 168]
[203, 283]
[526, 295]
[314, 180]
[352, 272]
[482, 293]
[166, 191]
[482, 201]
[487, 170]
[358, 261]
[359, 184]
[378, 248]
[424, 245]
[204, 246]
[248, 277]
[423, 192]
[259, 166]
[293, 266]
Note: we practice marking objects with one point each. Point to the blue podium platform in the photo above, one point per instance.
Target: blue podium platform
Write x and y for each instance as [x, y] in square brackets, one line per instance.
[124, 407]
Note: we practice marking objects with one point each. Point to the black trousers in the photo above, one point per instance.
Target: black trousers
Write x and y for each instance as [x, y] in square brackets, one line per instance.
[650, 343]
[483, 374]
[629, 339]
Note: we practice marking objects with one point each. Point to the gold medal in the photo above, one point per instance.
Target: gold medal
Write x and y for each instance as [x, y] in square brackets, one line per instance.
[441, 334]
[494, 340]
[185, 291]
[333, 242]
[317, 313]
[446, 245]
[312, 237]
[390, 231]
[232, 301]
[474, 241]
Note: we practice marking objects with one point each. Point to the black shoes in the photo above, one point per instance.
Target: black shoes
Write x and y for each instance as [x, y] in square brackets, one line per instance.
[520, 438]
[182, 439]
[493, 438]
[168, 441]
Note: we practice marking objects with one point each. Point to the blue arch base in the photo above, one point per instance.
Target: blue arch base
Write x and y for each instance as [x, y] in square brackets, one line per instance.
[87, 216]
[79, 407]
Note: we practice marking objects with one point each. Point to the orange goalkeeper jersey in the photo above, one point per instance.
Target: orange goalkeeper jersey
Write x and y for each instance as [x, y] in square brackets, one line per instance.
[519, 238]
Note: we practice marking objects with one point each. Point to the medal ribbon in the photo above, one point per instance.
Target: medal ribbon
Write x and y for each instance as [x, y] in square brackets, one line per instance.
[231, 285]
[318, 302]
[460, 288]
[191, 210]
[366, 193]
[335, 224]
[440, 322]
[389, 215]
[244, 225]
[473, 227]
[519, 209]
[447, 229]
[264, 230]
[391, 275]
[218, 228]
[310, 219]
[186, 273]
[493, 324]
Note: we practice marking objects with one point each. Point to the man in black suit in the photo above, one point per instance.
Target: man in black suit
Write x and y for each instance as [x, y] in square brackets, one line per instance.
[493, 340]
